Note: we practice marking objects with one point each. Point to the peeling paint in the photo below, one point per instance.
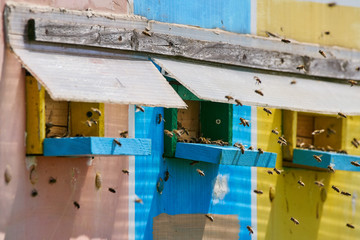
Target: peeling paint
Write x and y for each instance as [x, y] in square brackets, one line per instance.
[221, 188]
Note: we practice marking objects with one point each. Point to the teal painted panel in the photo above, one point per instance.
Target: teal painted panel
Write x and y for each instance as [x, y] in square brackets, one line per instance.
[89, 146]
[225, 155]
[230, 15]
[336, 160]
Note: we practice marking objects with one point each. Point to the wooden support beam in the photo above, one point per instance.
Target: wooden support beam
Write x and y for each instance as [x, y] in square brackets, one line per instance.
[243, 50]
[35, 116]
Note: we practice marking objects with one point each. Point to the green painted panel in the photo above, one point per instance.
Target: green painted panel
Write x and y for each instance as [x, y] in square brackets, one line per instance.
[216, 121]
[170, 116]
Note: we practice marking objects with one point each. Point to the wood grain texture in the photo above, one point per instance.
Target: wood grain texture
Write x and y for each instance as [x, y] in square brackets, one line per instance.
[224, 155]
[88, 146]
[195, 226]
[240, 50]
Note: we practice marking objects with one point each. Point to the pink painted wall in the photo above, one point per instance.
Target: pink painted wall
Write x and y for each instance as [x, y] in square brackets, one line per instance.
[51, 214]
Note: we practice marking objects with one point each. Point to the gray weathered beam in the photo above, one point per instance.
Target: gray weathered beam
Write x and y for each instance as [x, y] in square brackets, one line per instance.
[173, 40]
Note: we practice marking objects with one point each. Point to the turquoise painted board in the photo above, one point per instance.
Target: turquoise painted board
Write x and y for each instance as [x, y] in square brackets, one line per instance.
[186, 192]
[89, 146]
[230, 15]
[240, 133]
[148, 170]
[224, 155]
[337, 161]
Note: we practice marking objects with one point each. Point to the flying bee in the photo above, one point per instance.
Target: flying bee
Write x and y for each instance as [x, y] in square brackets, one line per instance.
[250, 230]
[117, 142]
[285, 40]
[267, 111]
[112, 190]
[244, 122]
[125, 171]
[167, 175]
[357, 68]
[345, 193]
[318, 158]
[238, 103]
[331, 169]
[124, 134]
[228, 97]
[76, 204]
[259, 92]
[201, 173]
[332, 4]
[260, 151]
[138, 200]
[320, 184]
[139, 108]
[294, 220]
[350, 225]
[146, 33]
[258, 191]
[352, 82]
[185, 131]
[281, 142]
[177, 132]
[257, 79]
[293, 82]
[250, 148]
[194, 162]
[160, 118]
[301, 183]
[168, 133]
[317, 132]
[322, 53]
[239, 145]
[89, 123]
[270, 34]
[270, 172]
[335, 188]
[96, 110]
[274, 131]
[356, 164]
[355, 143]
[52, 180]
[98, 181]
[211, 218]
[282, 139]
[341, 115]
[34, 193]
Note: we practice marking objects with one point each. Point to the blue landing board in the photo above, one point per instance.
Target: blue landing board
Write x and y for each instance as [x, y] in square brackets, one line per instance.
[224, 155]
[336, 160]
[86, 146]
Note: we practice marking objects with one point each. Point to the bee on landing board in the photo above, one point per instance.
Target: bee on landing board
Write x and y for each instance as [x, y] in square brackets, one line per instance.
[229, 98]
[96, 110]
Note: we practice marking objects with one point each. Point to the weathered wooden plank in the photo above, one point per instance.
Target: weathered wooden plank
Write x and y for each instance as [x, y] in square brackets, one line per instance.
[89, 146]
[238, 54]
[224, 155]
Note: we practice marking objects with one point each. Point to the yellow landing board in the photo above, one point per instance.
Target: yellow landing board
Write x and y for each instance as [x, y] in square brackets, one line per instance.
[307, 21]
